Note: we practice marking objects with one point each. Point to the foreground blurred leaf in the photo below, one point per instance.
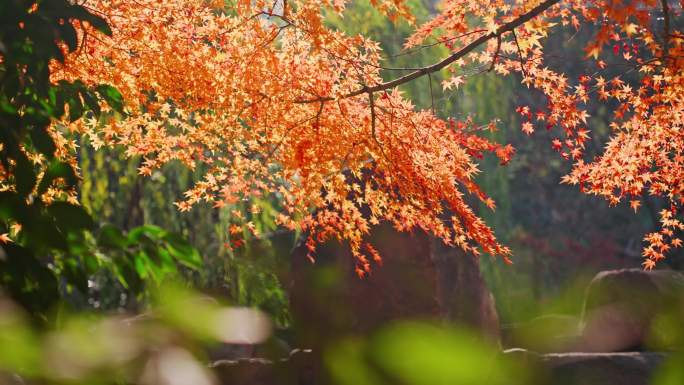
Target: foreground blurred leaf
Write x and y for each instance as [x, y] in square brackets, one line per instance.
[19, 346]
[346, 363]
[426, 354]
[671, 372]
[415, 353]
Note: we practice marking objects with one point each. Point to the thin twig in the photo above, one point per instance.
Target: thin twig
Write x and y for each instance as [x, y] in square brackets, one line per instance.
[496, 53]
[371, 103]
[432, 95]
[522, 61]
[442, 41]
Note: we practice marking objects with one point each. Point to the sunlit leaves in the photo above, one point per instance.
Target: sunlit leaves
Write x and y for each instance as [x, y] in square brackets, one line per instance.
[643, 85]
[261, 99]
[236, 93]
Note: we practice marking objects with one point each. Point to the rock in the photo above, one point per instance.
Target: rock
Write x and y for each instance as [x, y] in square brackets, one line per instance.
[462, 293]
[418, 279]
[627, 368]
[252, 371]
[273, 349]
[620, 306]
[327, 299]
[296, 369]
[621, 368]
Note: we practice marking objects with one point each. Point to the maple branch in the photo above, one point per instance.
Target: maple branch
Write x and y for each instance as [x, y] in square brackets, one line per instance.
[442, 41]
[508, 27]
[83, 41]
[496, 53]
[522, 62]
[371, 103]
[432, 95]
[318, 115]
[287, 132]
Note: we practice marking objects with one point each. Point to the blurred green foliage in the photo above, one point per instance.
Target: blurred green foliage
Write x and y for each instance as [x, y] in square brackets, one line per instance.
[168, 340]
[421, 353]
[667, 335]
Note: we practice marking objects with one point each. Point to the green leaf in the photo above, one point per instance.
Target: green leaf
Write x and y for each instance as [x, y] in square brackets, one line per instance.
[27, 280]
[91, 102]
[345, 360]
[55, 170]
[75, 108]
[111, 237]
[25, 177]
[118, 271]
[12, 207]
[79, 12]
[112, 96]
[91, 263]
[183, 251]
[43, 142]
[74, 274]
[151, 231]
[68, 34]
[142, 265]
[70, 217]
[421, 353]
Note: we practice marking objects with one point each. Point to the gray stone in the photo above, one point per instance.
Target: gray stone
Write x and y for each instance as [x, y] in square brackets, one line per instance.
[621, 305]
[626, 368]
[296, 369]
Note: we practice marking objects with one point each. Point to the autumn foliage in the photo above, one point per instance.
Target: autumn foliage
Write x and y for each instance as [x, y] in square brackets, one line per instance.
[272, 102]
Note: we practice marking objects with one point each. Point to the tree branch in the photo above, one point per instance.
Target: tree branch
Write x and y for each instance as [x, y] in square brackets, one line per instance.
[496, 53]
[522, 61]
[510, 26]
[666, 27]
[432, 95]
[371, 103]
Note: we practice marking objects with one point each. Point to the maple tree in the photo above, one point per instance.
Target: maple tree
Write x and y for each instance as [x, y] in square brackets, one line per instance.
[271, 101]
